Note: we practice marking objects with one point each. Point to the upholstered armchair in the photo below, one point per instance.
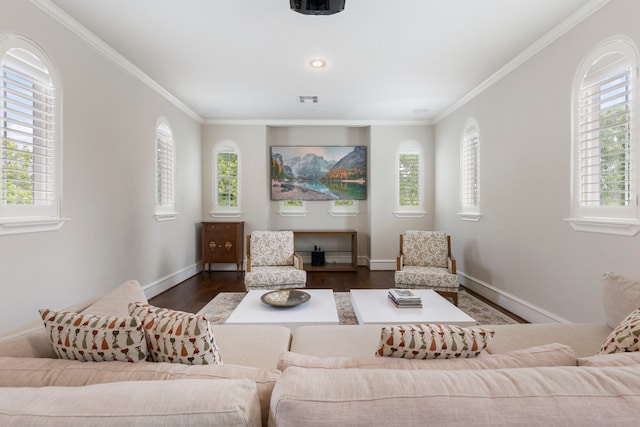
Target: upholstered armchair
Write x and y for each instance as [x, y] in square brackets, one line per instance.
[272, 263]
[425, 262]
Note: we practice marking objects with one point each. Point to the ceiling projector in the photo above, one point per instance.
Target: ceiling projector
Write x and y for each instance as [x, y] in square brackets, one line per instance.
[317, 7]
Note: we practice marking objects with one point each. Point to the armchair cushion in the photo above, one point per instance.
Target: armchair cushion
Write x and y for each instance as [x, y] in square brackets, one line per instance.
[271, 248]
[281, 277]
[425, 248]
[438, 279]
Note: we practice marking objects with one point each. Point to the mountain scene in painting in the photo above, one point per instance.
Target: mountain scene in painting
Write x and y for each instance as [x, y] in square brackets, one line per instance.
[318, 173]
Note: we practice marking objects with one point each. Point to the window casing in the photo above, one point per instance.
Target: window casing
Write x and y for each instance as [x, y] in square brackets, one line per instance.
[30, 146]
[470, 172]
[604, 162]
[165, 172]
[226, 180]
[410, 181]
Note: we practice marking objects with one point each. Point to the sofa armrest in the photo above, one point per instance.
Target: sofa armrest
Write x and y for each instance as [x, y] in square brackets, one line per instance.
[451, 265]
[399, 262]
[297, 261]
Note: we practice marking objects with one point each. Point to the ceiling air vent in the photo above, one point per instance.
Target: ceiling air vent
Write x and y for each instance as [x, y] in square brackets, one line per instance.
[309, 99]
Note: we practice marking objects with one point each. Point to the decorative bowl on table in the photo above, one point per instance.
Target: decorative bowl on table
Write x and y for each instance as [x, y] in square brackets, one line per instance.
[285, 298]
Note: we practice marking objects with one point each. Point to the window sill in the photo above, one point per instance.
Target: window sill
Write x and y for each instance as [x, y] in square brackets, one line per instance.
[469, 216]
[615, 227]
[292, 213]
[166, 216]
[229, 214]
[344, 213]
[410, 214]
[36, 225]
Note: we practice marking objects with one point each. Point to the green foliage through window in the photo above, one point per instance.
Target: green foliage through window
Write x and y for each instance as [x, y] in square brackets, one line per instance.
[409, 180]
[227, 173]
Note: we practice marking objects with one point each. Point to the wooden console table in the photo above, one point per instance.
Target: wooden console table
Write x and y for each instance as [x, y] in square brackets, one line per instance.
[332, 242]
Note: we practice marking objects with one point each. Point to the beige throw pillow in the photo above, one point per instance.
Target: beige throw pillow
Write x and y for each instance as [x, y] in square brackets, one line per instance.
[620, 296]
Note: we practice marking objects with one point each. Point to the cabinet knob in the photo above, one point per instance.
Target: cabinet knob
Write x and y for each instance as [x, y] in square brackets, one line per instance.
[213, 245]
[228, 246]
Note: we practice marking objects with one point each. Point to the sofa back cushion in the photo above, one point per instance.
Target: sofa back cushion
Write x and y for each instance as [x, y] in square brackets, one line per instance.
[557, 396]
[143, 403]
[620, 296]
[30, 372]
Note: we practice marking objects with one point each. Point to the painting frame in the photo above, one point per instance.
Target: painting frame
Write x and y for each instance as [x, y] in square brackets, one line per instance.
[318, 172]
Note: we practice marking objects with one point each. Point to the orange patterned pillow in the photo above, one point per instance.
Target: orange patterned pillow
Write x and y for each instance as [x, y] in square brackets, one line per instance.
[177, 336]
[88, 337]
[625, 337]
[432, 341]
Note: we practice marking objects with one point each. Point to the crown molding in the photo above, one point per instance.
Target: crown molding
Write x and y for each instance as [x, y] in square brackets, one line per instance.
[95, 42]
[550, 37]
[302, 122]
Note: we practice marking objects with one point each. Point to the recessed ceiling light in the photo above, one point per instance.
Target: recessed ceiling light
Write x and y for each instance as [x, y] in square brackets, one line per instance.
[317, 63]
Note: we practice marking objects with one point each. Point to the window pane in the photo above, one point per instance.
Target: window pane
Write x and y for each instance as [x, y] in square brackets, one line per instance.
[409, 179]
[227, 173]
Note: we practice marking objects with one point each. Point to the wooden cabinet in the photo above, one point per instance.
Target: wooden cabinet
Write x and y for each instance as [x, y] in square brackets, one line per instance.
[339, 247]
[223, 242]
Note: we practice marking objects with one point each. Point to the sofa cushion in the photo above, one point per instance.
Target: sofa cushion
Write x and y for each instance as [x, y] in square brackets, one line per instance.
[176, 336]
[432, 341]
[615, 359]
[620, 296]
[271, 340]
[546, 396]
[116, 302]
[585, 339]
[93, 338]
[547, 355]
[144, 403]
[625, 337]
[32, 372]
[425, 248]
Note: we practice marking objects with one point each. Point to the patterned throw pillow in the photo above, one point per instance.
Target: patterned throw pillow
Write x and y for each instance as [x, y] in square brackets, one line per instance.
[432, 341]
[625, 337]
[94, 338]
[176, 336]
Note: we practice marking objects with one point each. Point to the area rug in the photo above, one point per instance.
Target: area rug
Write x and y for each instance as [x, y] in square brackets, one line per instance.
[221, 307]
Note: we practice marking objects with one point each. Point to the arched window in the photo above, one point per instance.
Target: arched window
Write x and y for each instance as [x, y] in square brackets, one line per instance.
[470, 172]
[410, 180]
[30, 146]
[165, 172]
[604, 143]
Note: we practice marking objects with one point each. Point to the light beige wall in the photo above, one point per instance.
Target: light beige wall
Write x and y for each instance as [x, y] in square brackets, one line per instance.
[108, 189]
[522, 253]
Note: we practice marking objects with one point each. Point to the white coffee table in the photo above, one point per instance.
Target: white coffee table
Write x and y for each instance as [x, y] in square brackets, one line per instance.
[319, 310]
[372, 307]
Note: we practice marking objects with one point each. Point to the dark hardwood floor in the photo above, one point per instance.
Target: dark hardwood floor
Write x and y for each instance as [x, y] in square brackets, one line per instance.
[195, 292]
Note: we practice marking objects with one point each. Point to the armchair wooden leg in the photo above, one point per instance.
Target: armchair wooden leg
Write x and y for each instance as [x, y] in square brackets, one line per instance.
[452, 295]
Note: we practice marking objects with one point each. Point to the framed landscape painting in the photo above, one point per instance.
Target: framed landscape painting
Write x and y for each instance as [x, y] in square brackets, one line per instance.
[319, 172]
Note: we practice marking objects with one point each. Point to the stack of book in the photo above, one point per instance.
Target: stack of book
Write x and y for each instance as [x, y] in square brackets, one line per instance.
[404, 298]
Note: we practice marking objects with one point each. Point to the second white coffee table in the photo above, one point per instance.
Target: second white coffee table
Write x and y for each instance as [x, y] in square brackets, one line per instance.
[372, 306]
[319, 310]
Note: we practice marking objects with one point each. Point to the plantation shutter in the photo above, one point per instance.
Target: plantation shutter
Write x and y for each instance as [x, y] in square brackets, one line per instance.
[28, 127]
[164, 166]
[470, 170]
[605, 134]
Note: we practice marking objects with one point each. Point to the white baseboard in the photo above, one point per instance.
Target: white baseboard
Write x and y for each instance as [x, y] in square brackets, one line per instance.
[381, 264]
[167, 282]
[518, 306]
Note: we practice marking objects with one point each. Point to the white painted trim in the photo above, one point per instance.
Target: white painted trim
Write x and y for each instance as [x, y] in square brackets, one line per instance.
[27, 225]
[606, 226]
[169, 281]
[166, 216]
[565, 26]
[306, 122]
[518, 306]
[410, 214]
[94, 41]
[469, 216]
[223, 214]
[382, 264]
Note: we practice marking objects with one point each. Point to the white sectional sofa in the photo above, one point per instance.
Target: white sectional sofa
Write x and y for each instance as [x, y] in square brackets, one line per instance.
[328, 375]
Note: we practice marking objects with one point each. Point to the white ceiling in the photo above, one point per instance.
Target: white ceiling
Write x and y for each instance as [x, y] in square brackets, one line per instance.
[387, 60]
